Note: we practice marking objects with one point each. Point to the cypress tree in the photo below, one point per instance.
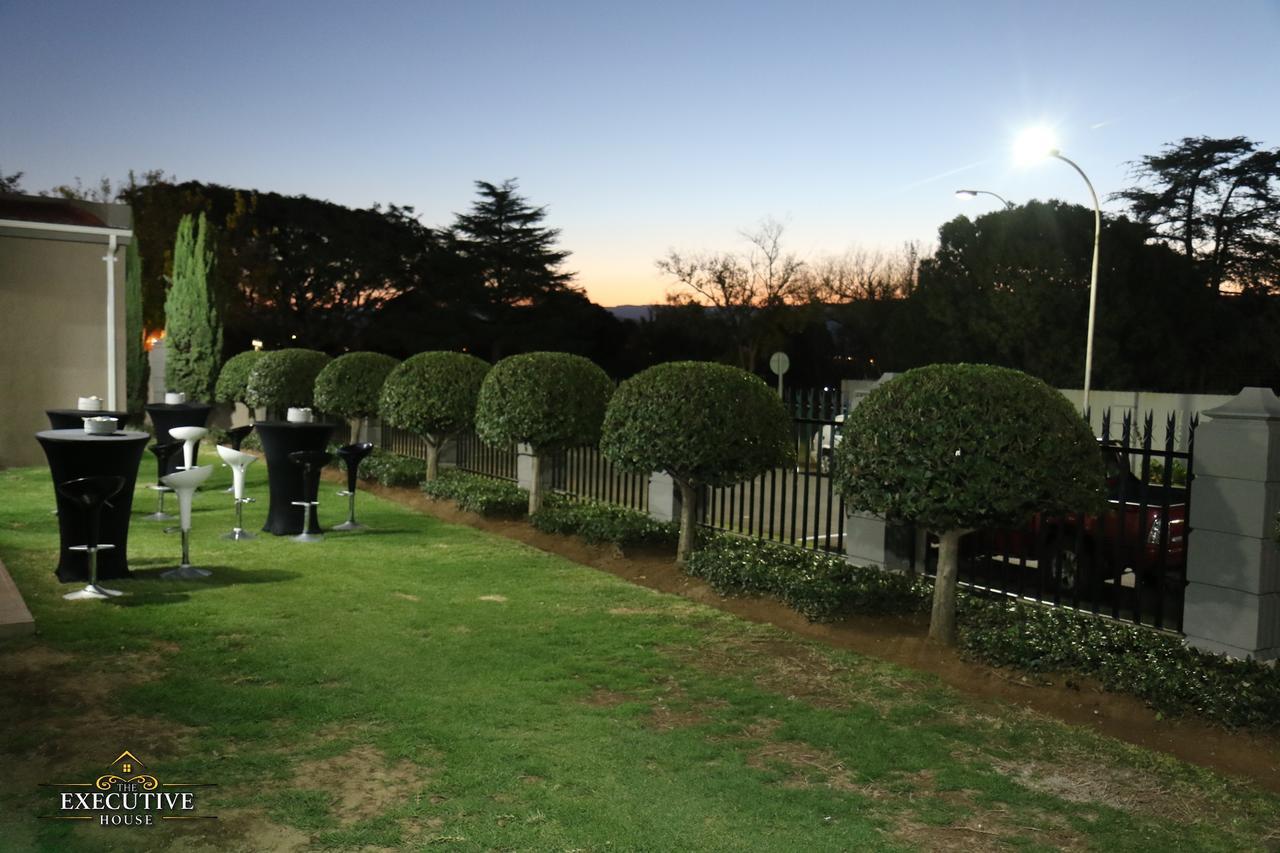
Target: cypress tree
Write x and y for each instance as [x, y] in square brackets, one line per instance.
[193, 319]
[137, 368]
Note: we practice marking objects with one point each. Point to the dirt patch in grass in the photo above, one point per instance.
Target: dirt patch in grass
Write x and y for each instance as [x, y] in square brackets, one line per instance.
[1078, 779]
[903, 641]
[406, 596]
[363, 783]
[602, 698]
[501, 599]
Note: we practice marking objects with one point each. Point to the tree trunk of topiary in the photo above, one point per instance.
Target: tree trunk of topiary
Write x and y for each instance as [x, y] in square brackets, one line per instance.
[433, 458]
[942, 622]
[688, 521]
[535, 488]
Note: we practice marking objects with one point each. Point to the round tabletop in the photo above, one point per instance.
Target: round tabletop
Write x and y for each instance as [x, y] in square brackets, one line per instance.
[59, 435]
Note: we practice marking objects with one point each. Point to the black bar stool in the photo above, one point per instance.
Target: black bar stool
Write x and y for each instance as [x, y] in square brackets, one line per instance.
[237, 435]
[352, 455]
[311, 461]
[89, 494]
[164, 451]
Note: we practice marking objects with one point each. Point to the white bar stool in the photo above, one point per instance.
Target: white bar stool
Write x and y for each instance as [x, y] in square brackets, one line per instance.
[185, 484]
[190, 437]
[238, 462]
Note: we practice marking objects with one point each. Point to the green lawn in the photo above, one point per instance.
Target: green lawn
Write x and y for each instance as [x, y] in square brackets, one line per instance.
[428, 686]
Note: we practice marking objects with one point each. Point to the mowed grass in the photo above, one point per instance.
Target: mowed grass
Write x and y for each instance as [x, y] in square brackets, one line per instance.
[424, 686]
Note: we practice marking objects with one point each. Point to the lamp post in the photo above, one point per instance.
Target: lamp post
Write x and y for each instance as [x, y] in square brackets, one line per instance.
[1093, 272]
[1008, 205]
[1036, 143]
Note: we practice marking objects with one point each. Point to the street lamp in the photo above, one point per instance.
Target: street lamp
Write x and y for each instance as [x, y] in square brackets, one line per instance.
[1008, 205]
[1035, 144]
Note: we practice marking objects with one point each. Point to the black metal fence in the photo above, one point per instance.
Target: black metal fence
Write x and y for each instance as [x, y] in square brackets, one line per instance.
[479, 458]
[795, 504]
[470, 453]
[1128, 561]
[584, 473]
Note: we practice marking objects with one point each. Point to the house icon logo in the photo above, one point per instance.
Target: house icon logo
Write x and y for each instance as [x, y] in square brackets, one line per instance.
[127, 794]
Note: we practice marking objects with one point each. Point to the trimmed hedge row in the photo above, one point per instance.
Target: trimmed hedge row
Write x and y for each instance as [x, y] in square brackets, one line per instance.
[1158, 668]
[820, 586]
[474, 493]
[1155, 667]
[598, 523]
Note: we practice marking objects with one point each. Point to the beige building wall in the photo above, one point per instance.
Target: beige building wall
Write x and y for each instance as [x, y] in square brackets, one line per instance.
[53, 335]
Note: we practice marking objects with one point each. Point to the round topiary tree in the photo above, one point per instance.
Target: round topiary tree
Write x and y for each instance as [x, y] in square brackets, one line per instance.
[959, 447]
[350, 386]
[549, 400]
[233, 380]
[283, 378]
[433, 395]
[704, 424]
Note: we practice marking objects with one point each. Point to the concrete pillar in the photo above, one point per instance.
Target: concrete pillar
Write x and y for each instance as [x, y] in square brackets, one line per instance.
[864, 539]
[524, 468]
[448, 456]
[1233, 567]
[664, 497]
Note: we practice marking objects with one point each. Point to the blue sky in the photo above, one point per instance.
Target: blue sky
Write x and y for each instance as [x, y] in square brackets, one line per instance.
[641, 127]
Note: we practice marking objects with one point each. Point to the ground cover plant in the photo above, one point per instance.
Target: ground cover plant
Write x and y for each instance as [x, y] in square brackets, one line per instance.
[605, 523]
[1031, 637]
[480, 494]
[425, 686]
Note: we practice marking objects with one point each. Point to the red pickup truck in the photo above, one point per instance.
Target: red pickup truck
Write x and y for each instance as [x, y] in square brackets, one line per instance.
[1143, 530]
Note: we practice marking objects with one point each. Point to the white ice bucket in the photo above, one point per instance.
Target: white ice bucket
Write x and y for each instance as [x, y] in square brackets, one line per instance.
[174, 398]
[89, 404]
[298, 416]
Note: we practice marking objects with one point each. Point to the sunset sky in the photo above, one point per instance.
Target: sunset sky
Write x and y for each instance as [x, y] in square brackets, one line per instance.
[641, 127]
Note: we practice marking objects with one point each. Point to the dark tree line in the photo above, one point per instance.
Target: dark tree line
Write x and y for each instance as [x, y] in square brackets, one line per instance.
[1188, 294]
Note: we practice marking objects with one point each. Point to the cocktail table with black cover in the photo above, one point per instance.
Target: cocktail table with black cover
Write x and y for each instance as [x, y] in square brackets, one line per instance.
[166, 416]
[74, 418]
[284, 478]
[73, 454]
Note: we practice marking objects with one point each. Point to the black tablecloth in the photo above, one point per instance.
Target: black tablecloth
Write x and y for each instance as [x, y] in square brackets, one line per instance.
[166, 416]
[73, 454]
[74, 418]
[279, 439]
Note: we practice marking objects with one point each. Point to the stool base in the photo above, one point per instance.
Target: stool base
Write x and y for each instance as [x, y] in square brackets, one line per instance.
[239, 534]
[185, 573]
[349, 525]
[309, 537]
[92, 591]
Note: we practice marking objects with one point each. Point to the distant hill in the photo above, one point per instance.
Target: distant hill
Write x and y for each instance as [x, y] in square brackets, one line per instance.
[631, 312]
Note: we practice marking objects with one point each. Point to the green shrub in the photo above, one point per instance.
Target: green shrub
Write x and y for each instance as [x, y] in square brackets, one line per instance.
[233, 380]
[600, 522]
[479, 494]
[819, 585]
[702, 423]
[548, 400]
[391, 469]
[284, 377]
[1158, 668]
[351, 385]
[954, 447]
[433, 395]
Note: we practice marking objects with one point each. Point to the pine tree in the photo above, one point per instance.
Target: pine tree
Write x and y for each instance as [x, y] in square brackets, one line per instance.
[193, 319]
[505, 255]
[137, 366]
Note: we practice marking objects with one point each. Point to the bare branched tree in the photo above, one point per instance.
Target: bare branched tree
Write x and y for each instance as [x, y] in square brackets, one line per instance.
[865, 274]
[747, 290]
